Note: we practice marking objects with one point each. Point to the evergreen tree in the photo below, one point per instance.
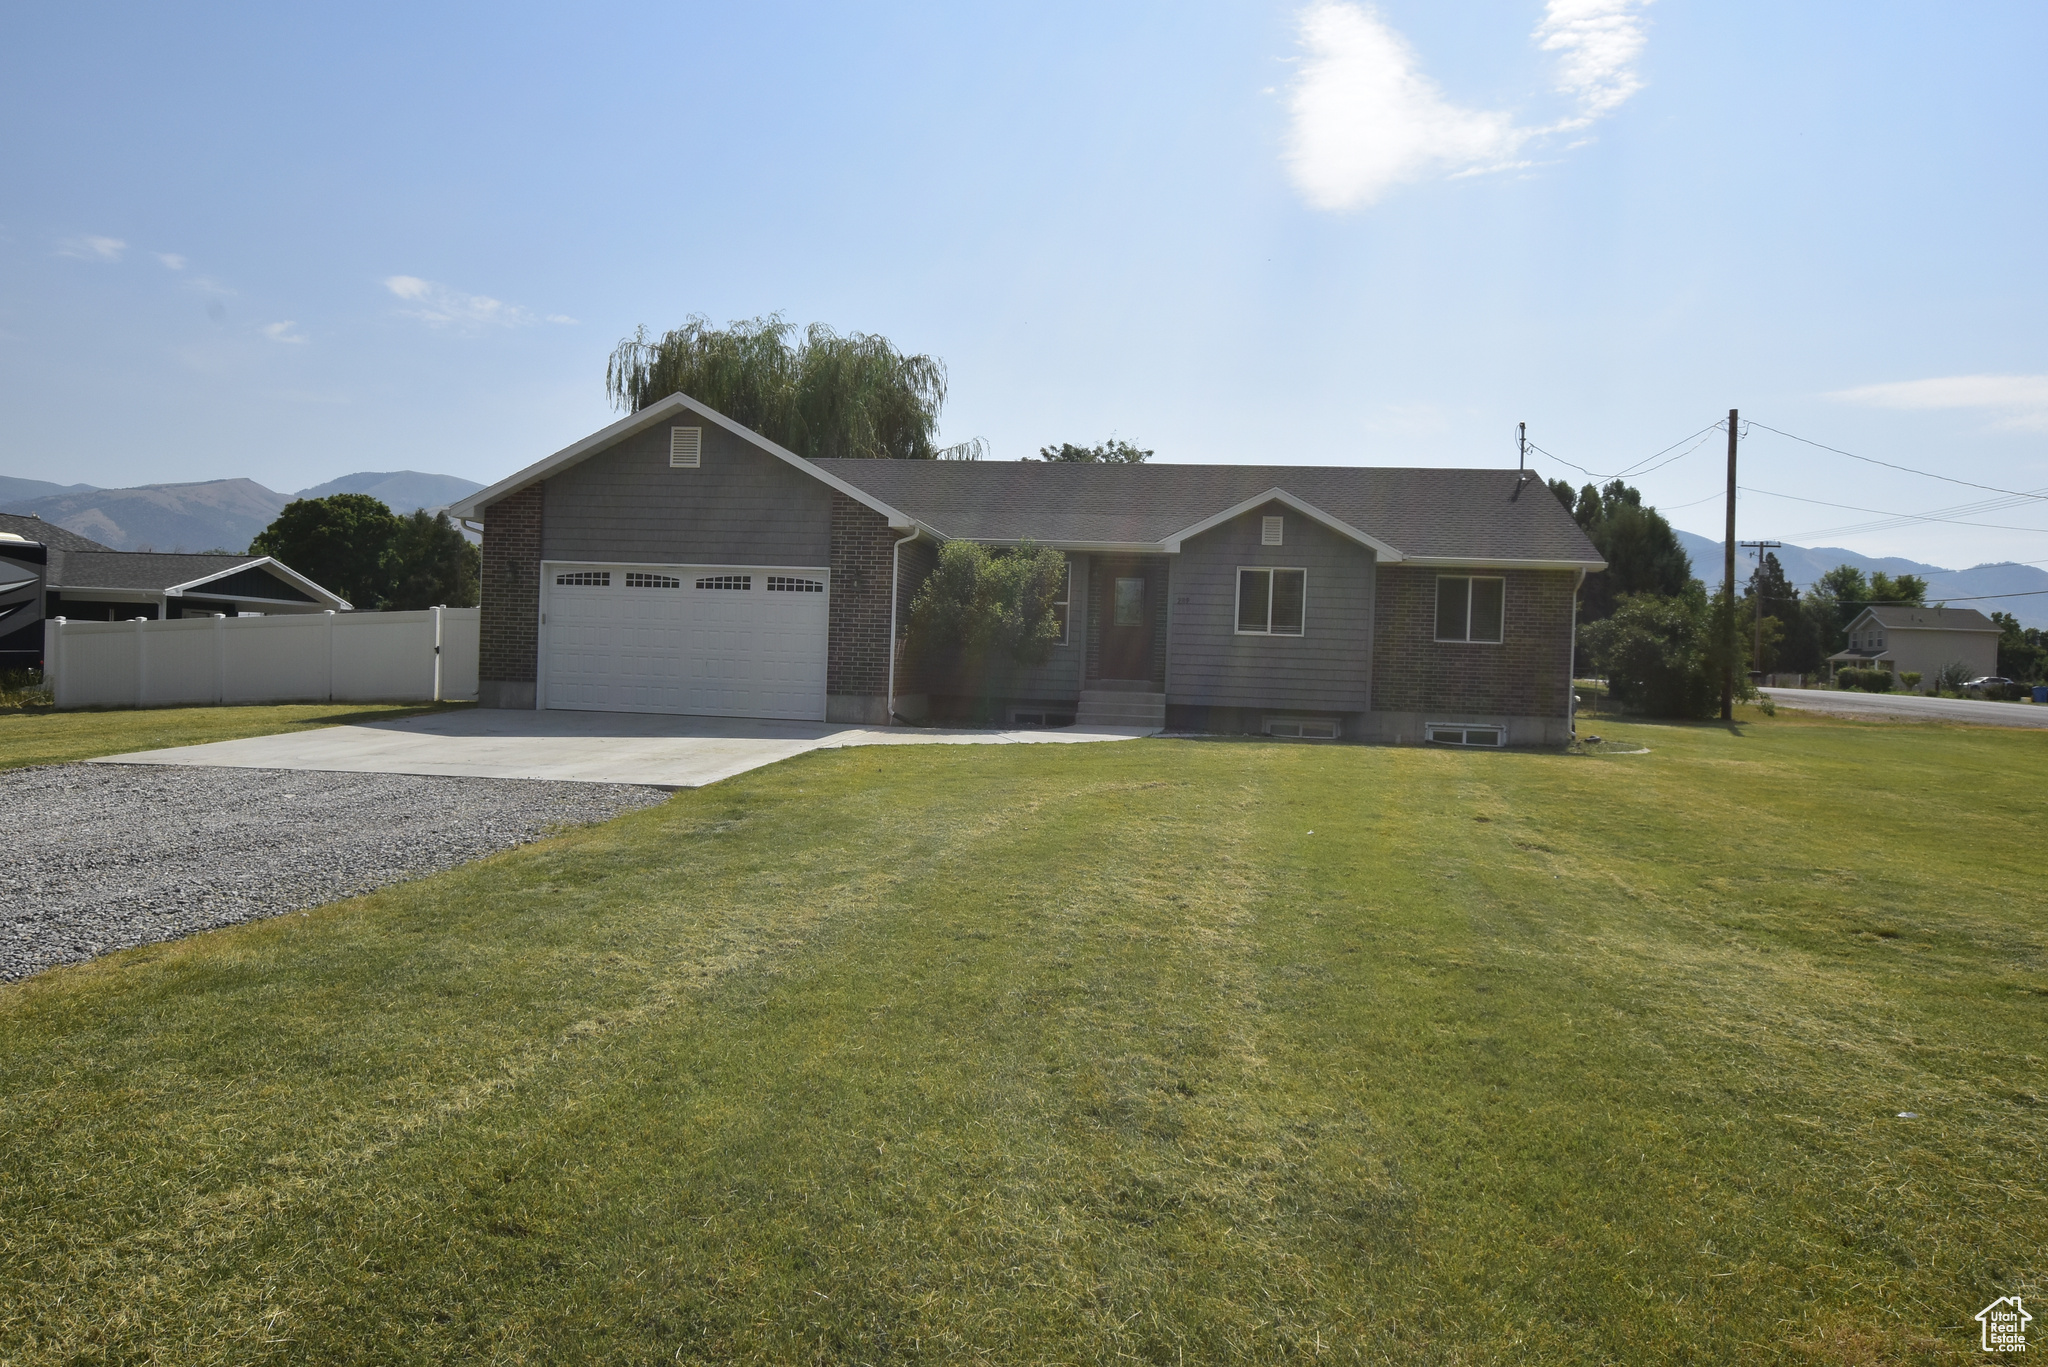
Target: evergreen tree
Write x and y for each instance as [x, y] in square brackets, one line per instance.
[1642, 552]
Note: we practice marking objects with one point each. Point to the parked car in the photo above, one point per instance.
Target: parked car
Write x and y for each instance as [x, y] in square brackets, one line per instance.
[1992, 686]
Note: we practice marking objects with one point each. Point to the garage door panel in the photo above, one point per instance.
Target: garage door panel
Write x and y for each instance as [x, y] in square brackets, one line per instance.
[725, 651]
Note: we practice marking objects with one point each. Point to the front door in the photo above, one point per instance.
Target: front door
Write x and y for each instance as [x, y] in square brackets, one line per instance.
[1126, 622]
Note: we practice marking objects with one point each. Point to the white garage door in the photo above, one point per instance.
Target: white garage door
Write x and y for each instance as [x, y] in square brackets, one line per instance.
[708, 640]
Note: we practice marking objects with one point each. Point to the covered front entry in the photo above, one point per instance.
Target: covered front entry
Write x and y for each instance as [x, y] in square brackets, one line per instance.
[1128, 618]
[704, 640]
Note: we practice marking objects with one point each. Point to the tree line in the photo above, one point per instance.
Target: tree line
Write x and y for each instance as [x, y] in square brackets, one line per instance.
[1662, 637]
[355, 545]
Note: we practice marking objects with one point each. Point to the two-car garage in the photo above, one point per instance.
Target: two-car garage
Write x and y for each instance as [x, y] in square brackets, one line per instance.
[705, 640]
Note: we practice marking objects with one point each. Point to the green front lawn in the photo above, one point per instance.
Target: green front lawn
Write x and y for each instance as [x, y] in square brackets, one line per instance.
[40, 735]
[1159, 1051]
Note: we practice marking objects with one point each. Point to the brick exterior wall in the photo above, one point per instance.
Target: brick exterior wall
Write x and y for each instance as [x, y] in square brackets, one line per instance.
[857, 641]
[510, 617]
[1527, 675]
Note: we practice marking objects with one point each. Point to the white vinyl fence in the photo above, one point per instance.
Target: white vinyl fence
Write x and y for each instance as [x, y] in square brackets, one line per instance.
[428, 656]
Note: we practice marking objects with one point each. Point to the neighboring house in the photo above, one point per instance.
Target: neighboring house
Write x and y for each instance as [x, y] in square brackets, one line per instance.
[1920, 641]
[677, 562]
[86, 581]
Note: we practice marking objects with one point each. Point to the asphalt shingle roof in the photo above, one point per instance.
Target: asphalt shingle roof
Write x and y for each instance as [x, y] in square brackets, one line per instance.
[1940, 619]
[137, 569]
[1481, 514]
[49, 533]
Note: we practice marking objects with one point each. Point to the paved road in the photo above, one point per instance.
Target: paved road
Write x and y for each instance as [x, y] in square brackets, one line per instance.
[1905, 707]
[579, 747]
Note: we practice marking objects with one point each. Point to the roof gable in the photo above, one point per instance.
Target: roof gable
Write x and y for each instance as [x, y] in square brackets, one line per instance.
[1278, 495]
[175, 574]
[674, 406]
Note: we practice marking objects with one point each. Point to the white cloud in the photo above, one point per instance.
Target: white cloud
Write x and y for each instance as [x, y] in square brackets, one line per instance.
[1366, 117]
[92, 248]
[439, 306]
[282, 332]
[2022, 400]
[1600, 41]
[171, 260]
[561, 318]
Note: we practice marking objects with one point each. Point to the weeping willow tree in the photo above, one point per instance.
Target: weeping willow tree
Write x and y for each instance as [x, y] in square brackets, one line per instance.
[821, 394]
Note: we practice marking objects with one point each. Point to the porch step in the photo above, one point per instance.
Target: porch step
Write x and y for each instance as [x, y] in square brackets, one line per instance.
[1121, 710]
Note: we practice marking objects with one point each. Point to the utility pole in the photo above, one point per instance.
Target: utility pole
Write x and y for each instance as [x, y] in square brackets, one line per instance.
[1756, 652]
[1522, 447]
[1728, 587]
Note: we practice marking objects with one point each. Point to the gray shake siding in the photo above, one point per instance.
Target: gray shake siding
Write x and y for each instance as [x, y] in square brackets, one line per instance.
[741, 507]
[1325, 669]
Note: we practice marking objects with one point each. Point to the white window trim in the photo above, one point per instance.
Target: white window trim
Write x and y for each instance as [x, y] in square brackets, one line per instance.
[1237, 600]
[1066, 600]
[1500, 732]
[1467, 638]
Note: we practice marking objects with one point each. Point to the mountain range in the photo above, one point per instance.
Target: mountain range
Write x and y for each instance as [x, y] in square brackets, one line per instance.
[1806, 564]
[217, 514]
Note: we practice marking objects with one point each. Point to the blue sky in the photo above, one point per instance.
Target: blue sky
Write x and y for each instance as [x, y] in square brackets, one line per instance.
[288, 242]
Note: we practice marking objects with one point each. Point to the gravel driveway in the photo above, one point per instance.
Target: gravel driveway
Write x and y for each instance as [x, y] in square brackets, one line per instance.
[108, 856]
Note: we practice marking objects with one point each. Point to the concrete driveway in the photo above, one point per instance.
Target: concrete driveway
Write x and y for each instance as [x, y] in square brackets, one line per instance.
[1909, 707]
[580, 747]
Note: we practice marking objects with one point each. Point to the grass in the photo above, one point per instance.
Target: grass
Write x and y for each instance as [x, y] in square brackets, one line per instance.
[1160, 1051]
[40, 735]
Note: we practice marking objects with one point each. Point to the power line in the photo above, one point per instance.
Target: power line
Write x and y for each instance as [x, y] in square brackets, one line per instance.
[1903, 517]
[1908, 603]
[1869, 460]
[1697, 438]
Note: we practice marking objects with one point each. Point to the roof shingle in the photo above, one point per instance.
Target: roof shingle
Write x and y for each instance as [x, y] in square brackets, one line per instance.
[151, 570]
[1433, 513]
[1937, 619]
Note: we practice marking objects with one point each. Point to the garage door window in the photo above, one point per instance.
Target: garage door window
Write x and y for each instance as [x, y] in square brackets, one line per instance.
[779, 583]
[596, 579]
[636, 580]
[742, 582]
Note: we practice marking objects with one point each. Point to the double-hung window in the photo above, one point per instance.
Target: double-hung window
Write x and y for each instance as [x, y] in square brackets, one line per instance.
[1271, 602]
[1470, 608]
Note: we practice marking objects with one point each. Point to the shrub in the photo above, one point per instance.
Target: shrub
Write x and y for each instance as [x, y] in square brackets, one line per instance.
[1654, 651]
[981, 608]
[1951, 677]
[1865, 680]
[22, 689]
[1910, 681]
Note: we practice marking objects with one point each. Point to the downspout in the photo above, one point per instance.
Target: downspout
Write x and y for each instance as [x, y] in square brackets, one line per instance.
[895, 592]
[1571, 699]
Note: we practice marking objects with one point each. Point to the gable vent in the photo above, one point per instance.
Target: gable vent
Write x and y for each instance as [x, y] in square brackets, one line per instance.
[1269, 532]
[685, 448]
